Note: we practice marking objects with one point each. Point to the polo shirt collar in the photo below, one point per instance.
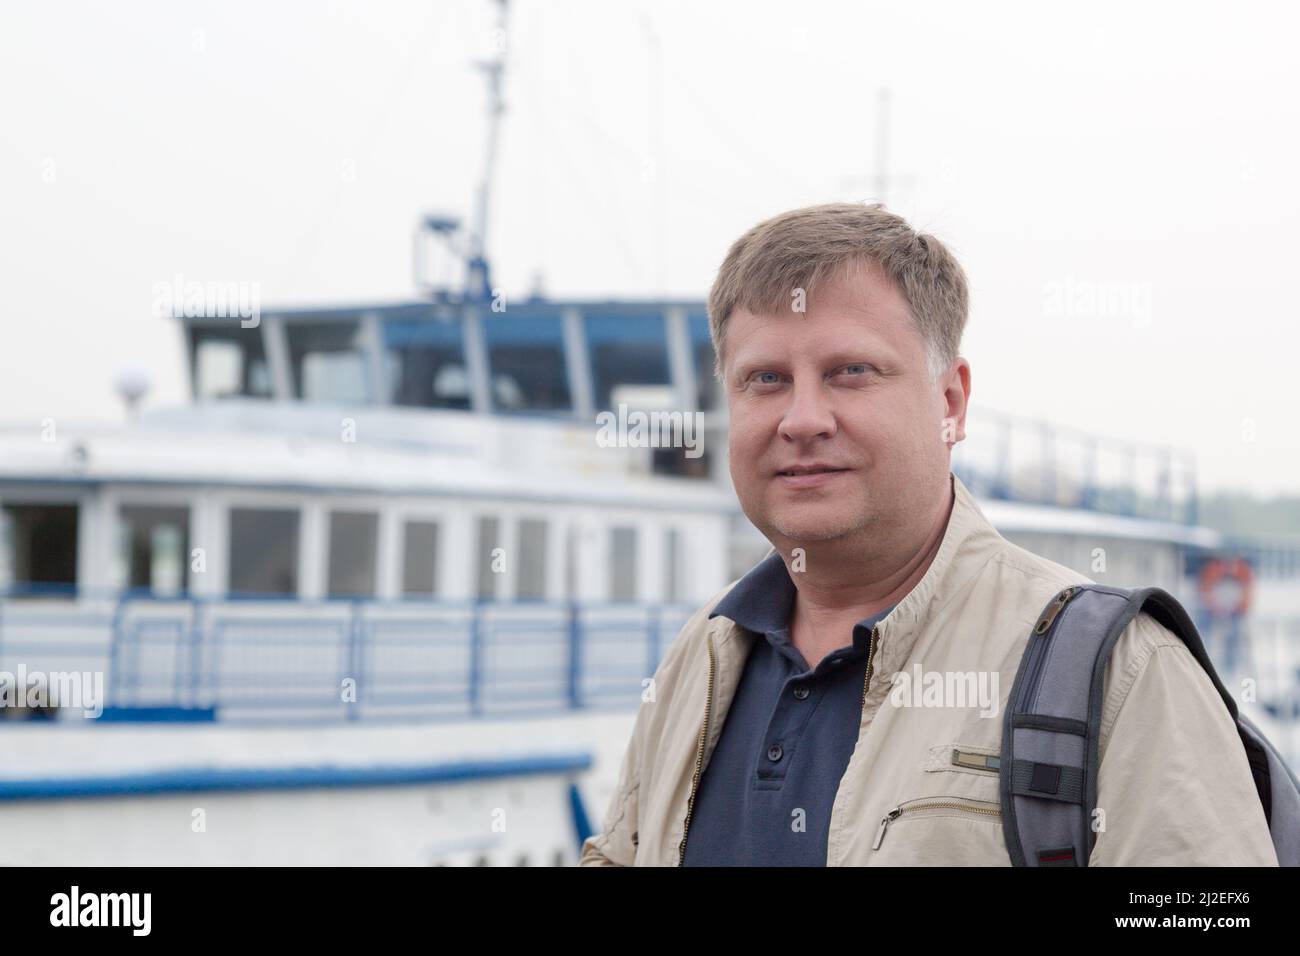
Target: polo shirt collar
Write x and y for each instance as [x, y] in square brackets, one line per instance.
[761, 602]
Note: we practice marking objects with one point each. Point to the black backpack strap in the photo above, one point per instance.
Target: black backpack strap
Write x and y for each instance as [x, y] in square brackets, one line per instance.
[1052, 726]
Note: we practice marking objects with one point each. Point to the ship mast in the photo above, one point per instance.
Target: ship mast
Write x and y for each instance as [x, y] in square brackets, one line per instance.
[466, 244]
[478, 280]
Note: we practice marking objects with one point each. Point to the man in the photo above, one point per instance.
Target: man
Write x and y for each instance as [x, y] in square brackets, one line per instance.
[775, 735]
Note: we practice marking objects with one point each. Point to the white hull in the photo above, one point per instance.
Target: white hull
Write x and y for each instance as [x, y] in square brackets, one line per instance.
[251, 817]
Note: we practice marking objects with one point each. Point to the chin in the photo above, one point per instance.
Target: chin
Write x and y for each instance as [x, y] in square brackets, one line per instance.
[803, 528]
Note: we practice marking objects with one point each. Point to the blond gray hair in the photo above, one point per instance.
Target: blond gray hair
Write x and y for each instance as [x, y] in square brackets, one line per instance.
[804, 248]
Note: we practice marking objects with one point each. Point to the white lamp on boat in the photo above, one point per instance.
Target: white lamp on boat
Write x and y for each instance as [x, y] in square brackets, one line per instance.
[131, 385]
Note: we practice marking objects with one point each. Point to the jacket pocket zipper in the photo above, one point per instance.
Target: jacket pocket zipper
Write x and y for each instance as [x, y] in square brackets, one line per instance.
[985, 807]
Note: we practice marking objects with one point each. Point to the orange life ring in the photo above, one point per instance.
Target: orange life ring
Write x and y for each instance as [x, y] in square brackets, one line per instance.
[1220, 569]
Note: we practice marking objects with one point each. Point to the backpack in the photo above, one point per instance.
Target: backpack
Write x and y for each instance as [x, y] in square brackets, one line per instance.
[1051, 728]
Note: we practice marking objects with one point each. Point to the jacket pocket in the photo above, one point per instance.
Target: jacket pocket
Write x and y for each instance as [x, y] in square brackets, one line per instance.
[940, 830]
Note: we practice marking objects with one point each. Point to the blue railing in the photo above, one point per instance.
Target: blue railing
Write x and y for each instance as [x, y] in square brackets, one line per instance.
[1015, 458]
[345, 660]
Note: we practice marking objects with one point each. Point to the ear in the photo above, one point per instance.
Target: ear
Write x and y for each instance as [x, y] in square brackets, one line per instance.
[955, 384]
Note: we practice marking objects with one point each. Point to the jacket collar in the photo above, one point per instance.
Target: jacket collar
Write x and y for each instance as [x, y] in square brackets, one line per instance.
[968, 541]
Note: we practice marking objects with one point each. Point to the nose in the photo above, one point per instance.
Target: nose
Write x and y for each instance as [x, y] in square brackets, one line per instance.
[809, 415]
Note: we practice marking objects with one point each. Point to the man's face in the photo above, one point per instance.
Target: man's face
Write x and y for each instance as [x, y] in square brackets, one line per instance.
[836, 428]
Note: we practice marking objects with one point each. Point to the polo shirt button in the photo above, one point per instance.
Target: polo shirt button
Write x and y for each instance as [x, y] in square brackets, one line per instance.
[801, 692]
[774, 753]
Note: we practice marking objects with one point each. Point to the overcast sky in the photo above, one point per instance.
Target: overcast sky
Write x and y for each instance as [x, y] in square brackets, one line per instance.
[1118, 179]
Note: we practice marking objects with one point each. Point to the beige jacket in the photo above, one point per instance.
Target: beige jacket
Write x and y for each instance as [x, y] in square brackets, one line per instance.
[1174, 781]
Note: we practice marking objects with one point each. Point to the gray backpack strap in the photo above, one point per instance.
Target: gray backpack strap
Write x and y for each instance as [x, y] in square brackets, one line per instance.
[1279, 791]
[1052, 727]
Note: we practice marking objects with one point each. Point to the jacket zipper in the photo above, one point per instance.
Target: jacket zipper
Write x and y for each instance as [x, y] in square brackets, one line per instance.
[871, 655]
[929, 803]
[699, 756]
[1042, 634]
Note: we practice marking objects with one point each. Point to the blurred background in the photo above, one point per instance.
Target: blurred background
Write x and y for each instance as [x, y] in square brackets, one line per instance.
[312, 308]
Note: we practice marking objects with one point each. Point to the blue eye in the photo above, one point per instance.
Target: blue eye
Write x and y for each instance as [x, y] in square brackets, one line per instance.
[856, 369]
[768, 378]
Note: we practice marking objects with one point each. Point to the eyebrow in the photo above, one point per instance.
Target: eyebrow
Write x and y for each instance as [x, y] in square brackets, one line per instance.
[868, 355]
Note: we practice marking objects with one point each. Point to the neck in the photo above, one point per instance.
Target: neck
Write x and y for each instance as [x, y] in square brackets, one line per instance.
[864, 578]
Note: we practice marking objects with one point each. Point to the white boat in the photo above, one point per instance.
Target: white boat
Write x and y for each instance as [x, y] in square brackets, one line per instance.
[346, 629]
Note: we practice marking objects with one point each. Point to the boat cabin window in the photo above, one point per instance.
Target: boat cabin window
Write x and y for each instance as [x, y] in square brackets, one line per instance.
[706, 385]
[526, 361]
[263, 551]
[153, 545]
[628, 350]
[673, 461]
[228, 361]
[622, 564]
[532, 560]
[420, 559]
[354, 543]
[328, 361]
[41, 543]
[426, 363]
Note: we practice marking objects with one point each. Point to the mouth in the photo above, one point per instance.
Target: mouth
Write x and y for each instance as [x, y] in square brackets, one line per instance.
[795, 471]
[808, 476]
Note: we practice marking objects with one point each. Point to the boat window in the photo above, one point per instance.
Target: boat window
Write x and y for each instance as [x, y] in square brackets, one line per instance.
[354, 544]
[420, 559]
[228, 361]
[526, 359]
[628, 352]
[675, 460]
[328, 361]
[622, 564]
[706, 385]
[263, 551]
[532, 560]
[426, 363]
[42, 547]
[153, 546]
[489, 532]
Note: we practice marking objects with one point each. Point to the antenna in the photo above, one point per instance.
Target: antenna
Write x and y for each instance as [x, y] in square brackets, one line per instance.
[445, 232]
[882, 184]
[655, 167]
[478, 278]
[882, 144]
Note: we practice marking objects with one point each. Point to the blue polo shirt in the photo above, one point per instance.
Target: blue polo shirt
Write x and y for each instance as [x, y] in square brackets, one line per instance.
[765, 796]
